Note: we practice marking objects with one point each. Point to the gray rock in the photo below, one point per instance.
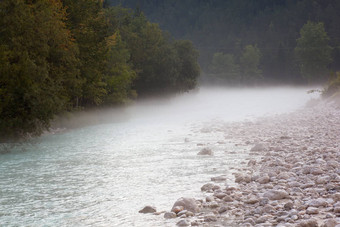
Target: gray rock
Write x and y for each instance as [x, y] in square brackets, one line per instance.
[259, 147]
[220, 195]
[337, 210]
[206, 151]
[213, 205]
[189, 204]
[250, 221]
[148, 209]
[288, 206]
[264, 179]
[228, 198]
[239, 178]
[276, 194]
[251, 200]
[207, 187]
[336, 197]
[222, 209]
[183, 223]
[219, 178]
[312, 210]
[330, 223]
[210, 218]
[320, 202]
[209, 199]
[177, 209]
[179, 214]
[170, 215]
[308, 223]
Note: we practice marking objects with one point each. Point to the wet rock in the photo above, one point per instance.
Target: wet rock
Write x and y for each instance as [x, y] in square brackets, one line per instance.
[183, 223]
[206, 151]
[276, 194]
[189, 204]
[148, 209]
[170, 215]
[219, 178]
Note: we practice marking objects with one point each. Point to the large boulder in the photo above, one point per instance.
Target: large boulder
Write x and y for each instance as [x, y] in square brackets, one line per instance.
[189, 204]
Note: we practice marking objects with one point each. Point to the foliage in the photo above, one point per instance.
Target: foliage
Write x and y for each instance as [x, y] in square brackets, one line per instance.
[62, 55]
[219, 26]
[37, 66]
[249, 64]
[333, 85]
[313, 51]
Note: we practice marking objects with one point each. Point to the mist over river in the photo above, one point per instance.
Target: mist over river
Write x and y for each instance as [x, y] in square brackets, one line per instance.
[102, 175]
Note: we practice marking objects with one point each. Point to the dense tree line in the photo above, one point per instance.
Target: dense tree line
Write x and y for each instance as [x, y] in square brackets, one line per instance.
[63, 55]
[222, 30]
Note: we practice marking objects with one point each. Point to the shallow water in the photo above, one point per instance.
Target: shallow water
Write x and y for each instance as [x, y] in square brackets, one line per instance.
[102, 175]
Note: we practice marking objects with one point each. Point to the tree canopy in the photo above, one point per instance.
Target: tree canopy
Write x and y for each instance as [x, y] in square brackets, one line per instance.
[65, 55]
[227, 27]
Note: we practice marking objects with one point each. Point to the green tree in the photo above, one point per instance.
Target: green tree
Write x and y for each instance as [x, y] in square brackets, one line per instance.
[88, 25]
[313, 52]
[37, 66]
[224, 66]
[189, 69]
[249, 64]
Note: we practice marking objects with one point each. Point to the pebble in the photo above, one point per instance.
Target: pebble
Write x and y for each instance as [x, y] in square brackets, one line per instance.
[183, 223]
[291, 178]
[206, 151]
[148, 209]
[170, 215]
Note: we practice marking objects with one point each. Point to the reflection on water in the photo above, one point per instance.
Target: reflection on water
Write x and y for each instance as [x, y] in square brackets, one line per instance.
[102, 175]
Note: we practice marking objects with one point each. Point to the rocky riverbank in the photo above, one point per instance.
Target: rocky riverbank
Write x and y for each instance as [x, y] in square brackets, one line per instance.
[292, 177]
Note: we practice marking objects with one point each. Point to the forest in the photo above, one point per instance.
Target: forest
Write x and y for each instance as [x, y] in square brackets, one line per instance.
[247, 41]
[61, 56]
[58, 56]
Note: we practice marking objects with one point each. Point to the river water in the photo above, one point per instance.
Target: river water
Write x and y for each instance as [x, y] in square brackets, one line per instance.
[103, 174]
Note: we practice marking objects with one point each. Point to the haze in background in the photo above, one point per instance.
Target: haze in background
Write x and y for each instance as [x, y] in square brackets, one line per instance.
[104, 174]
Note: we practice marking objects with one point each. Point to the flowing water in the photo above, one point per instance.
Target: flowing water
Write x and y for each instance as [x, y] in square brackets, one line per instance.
[102, 175]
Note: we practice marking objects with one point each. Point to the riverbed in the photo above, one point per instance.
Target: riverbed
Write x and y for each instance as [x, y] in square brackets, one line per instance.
[103, 174]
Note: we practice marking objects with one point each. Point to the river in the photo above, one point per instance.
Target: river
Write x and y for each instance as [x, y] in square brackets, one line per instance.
[103, 174]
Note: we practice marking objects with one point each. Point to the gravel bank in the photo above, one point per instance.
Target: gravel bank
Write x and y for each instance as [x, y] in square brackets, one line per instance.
[292, 177]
